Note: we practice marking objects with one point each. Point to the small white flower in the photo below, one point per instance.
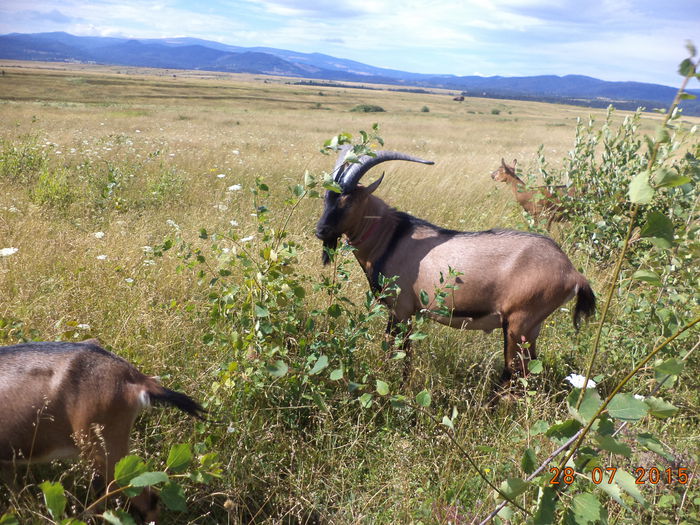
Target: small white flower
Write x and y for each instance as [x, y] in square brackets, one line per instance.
[12, 209]
[129, 280]
[172, 154]
[249, 238]
[236, 152]
[138, 131]
[101, 257]
[637, 396]
[147, 249]
[220, 175]
[173, 224]
[99, 235]
[6, 252]
[149, 262]
[221, 207]
[235, 187]
[577, 380]
[225, 250]
[233, 223]
[83, 326]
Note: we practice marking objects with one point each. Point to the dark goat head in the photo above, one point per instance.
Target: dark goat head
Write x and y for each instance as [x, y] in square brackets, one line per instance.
[347, 175]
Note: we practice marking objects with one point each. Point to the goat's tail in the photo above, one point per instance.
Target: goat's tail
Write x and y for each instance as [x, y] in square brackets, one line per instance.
[585, 302]
[159, 395]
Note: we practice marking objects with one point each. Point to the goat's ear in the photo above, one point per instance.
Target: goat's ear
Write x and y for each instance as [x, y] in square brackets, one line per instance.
[515, 163]
[372, 187]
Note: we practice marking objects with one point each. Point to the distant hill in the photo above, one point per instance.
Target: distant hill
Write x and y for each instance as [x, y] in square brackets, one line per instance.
[194, 53]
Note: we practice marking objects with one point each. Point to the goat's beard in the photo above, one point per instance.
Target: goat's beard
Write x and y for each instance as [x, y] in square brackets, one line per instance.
[329, 246]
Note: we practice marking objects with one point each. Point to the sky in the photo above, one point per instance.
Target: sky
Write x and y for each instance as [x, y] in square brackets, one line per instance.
[617, 40]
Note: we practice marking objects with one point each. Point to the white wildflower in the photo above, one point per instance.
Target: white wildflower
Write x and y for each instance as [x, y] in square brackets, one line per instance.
[12, 209]
[249, 238]
[640, 398]
[233, 223]
[149, 262]
[99, 235]
[172, 224]
[235, 187]
[83, 326]
[220, 175]
[577, 380]
[6, 252]
[147, 249]
[221, 207]
[225, 250]
[101, 257]
[138, 131]
[129, 280]
[236, 152]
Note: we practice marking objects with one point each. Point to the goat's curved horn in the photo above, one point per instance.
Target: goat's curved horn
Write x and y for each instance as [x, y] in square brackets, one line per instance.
[354, 172]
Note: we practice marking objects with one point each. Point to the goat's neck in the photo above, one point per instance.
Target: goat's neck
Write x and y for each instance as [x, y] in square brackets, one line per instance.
[371, 234]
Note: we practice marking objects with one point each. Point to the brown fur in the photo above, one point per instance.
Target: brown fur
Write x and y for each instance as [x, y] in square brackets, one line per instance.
[64, 399]
[541, 201]
[508, 279]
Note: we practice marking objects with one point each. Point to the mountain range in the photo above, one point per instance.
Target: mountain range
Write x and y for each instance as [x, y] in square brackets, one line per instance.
[193, 53]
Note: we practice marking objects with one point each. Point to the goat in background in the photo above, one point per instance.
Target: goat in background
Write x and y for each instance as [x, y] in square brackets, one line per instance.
[541, 201]
[505, 279]
[61, 399]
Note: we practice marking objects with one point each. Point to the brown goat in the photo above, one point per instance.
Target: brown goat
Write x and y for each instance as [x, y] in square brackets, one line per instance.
[541, 201]
[506, 279]
[62, 399]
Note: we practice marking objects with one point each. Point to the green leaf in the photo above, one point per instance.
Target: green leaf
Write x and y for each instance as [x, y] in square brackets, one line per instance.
[535, 366]
[546, 508]
[563, 431]
[586, 509]
[667, 178]
[671, 367]
[118, 517]
[423, 398]
[148, 479]
[610, 444]
[659, 229]
[333, 186]
[688, 96]
[640, 191]
[647, 276]
[611, 489]
[335, 310]
[336, 374]
[54, 498]
[365, 400]
[529, 461]
[382, 388]
[424, 298]
[649, 441]
[448, 423]
[660, 408]
[417, 336]
[261, 311]
[127, 469]
[179, 458]
[514, 487]
[173, 497]
[8, 519]
[321, 363]
[686, 68]
[626, 482]
[589, 406]
[626, 408]
[277, 369]
[539, 427]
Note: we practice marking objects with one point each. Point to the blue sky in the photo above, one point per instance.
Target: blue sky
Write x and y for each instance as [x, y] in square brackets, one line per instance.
[642, 40]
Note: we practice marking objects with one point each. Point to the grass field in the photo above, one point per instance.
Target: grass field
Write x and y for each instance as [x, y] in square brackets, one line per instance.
[114, 161]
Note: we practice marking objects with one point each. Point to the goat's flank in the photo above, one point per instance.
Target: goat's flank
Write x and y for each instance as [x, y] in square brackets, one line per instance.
[62, 399]
[506, 279]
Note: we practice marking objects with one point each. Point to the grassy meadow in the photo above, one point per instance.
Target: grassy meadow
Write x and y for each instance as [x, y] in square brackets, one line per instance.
[103, 165]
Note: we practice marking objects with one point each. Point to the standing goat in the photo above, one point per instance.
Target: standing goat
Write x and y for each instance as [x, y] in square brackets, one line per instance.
[505, 279]
[541, 201]
[60, 399]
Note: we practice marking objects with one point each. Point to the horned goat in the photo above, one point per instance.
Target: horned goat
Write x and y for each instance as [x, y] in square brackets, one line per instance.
[63, 399]
[541, 201]
[505, 279]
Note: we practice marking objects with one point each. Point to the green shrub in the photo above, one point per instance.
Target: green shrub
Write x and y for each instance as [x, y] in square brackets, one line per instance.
[21, 161]
[367, 108]
[425, 109]
[495, 111]
[54, 188]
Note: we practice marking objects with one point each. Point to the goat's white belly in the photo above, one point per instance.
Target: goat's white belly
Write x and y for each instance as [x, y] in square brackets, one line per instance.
[486, 323]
